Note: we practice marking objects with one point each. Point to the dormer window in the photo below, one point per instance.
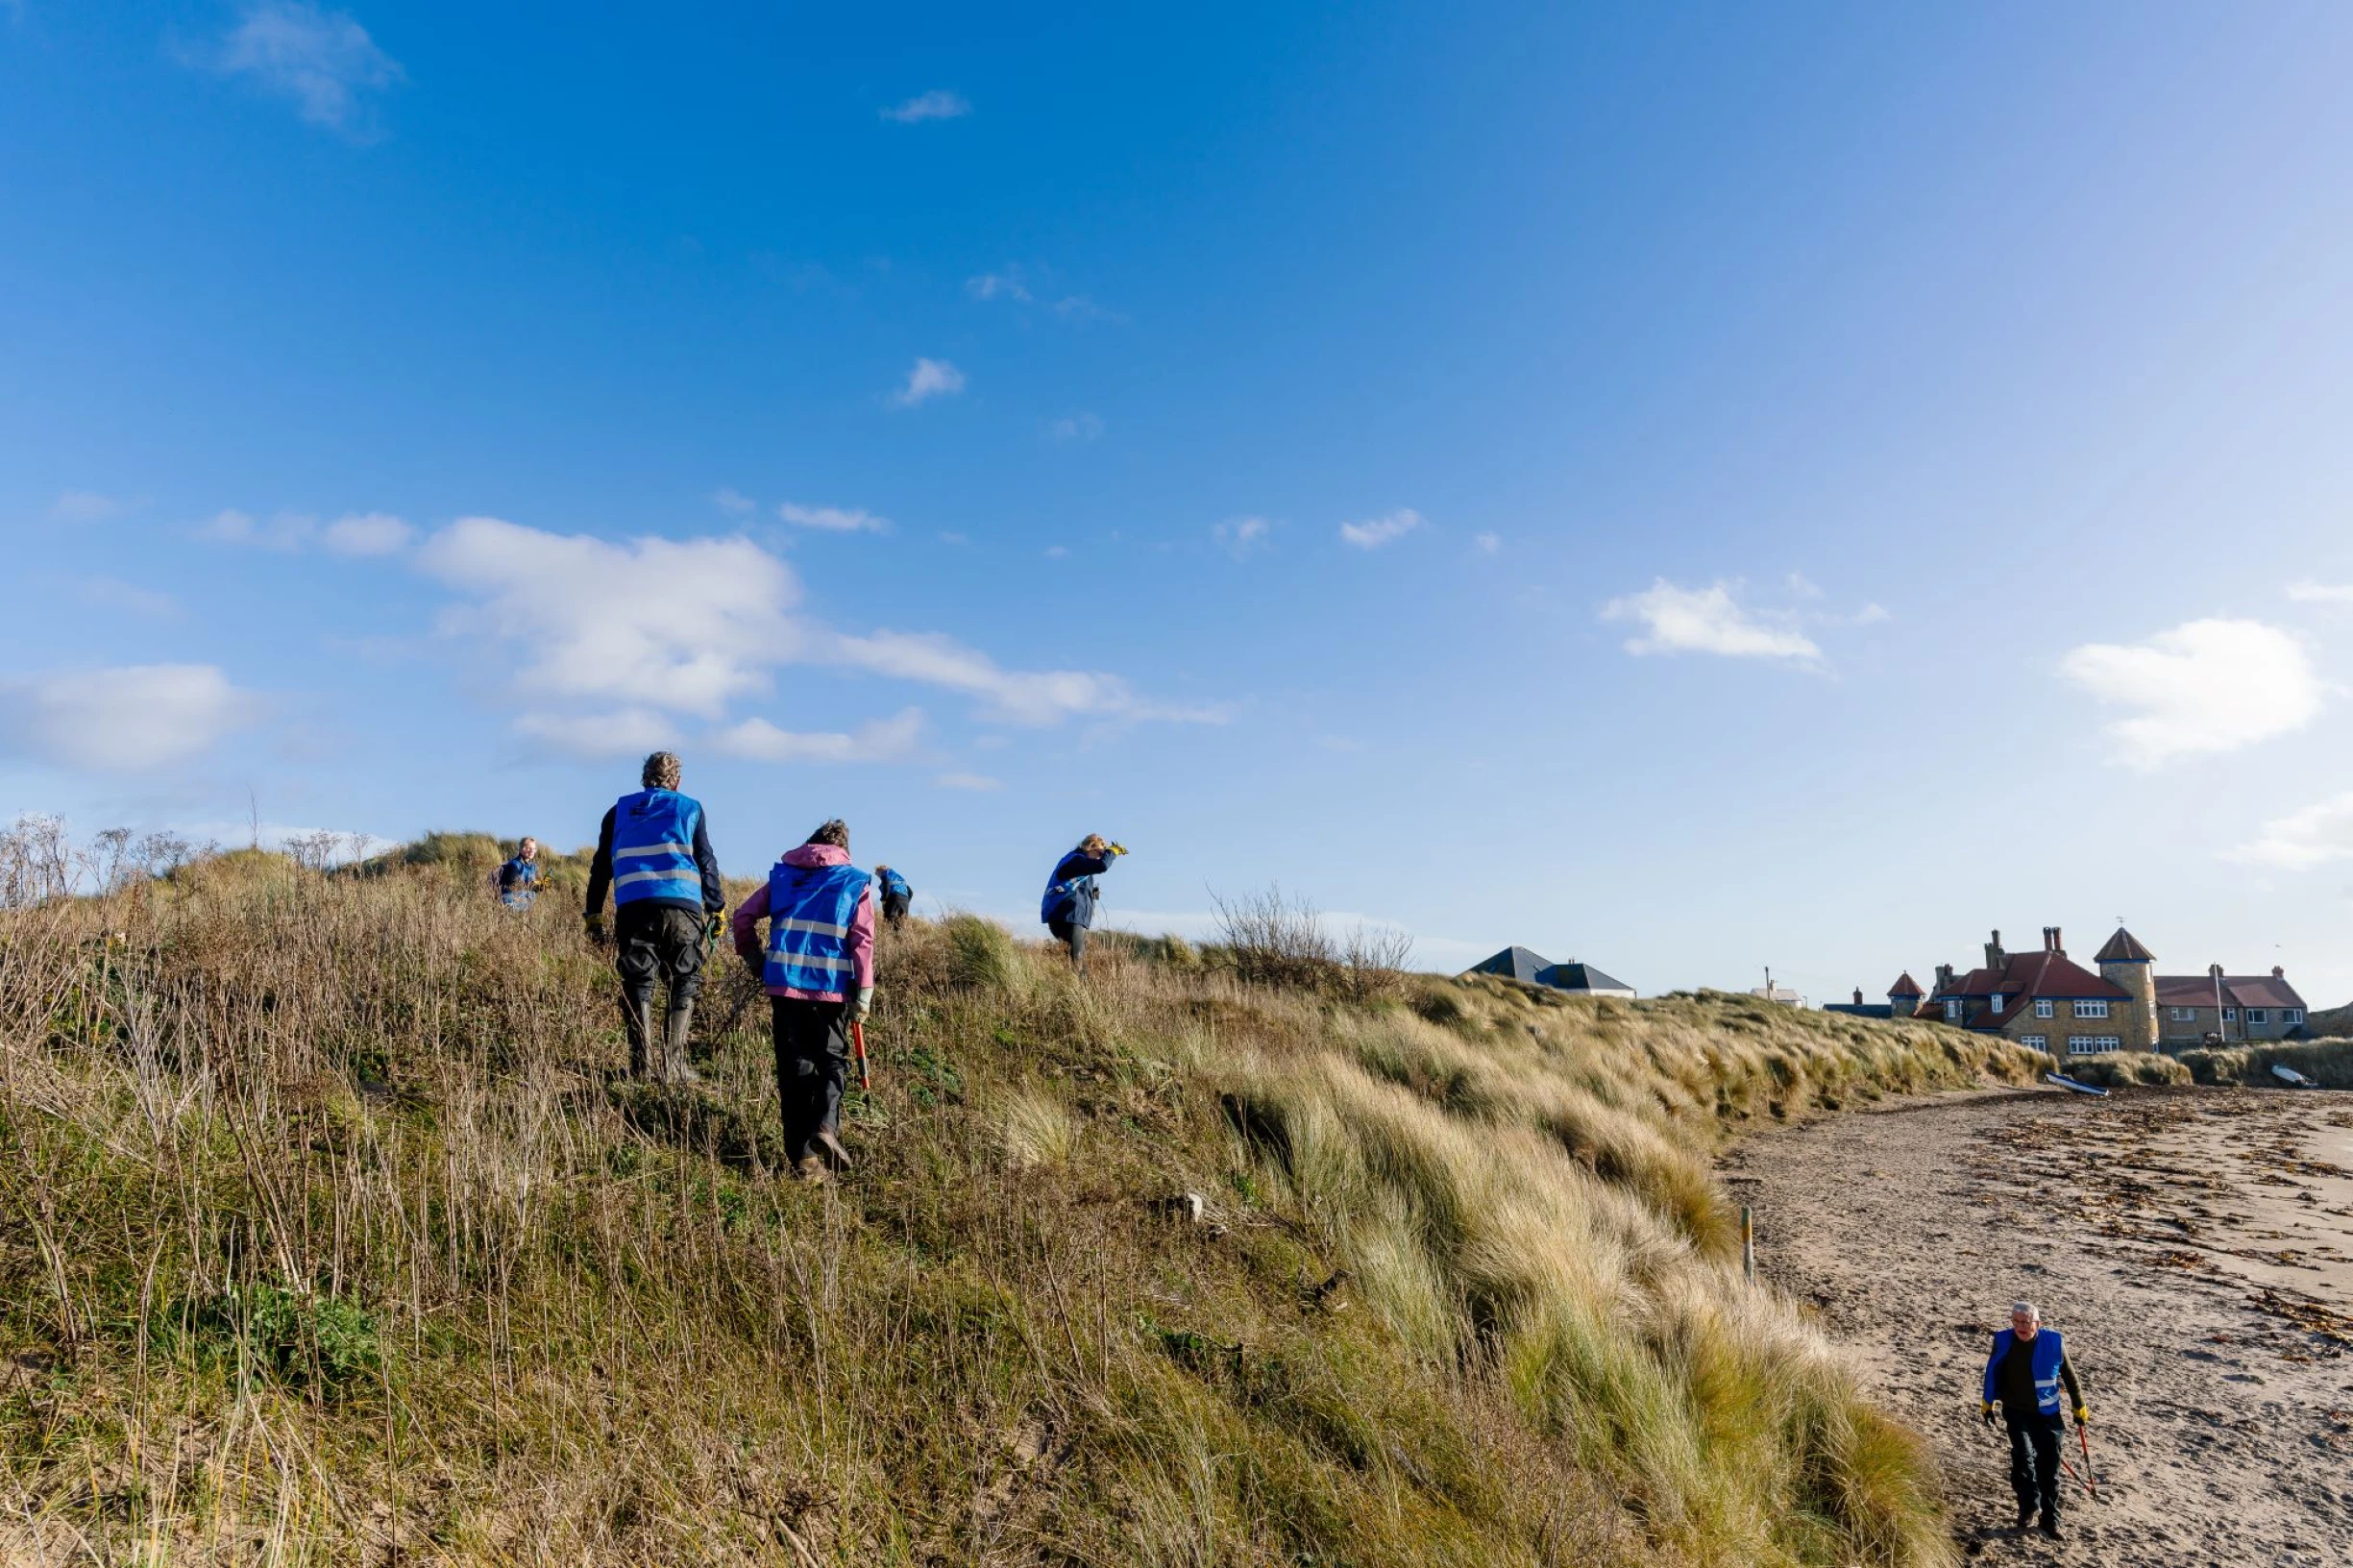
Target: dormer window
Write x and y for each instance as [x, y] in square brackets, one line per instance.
[1997, 1002]
[2042, 1007]
[1952, 1011]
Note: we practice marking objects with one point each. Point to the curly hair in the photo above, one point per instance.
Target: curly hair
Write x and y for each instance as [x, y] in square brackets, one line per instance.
[835, 832]
[661, 772]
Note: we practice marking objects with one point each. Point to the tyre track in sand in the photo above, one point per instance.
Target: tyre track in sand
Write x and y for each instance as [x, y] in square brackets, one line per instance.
[2195, 1246]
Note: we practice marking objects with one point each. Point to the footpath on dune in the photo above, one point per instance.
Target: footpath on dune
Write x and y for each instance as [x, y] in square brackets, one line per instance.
[2195, 1246]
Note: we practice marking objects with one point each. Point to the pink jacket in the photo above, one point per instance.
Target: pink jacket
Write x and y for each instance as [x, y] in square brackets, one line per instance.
[861, 944]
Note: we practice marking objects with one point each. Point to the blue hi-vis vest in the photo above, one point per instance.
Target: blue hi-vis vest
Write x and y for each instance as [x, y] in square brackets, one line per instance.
[895, 886]
[653, 847]
[1061, 890]
[809, 911]
[2047, 1353]
[518, 883]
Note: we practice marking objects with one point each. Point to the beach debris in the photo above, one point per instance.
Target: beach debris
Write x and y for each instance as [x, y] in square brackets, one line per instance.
[2069, 1083]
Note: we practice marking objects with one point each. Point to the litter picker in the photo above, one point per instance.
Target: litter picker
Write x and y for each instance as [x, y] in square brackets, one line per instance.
[857, 1045]
[2091, 1481]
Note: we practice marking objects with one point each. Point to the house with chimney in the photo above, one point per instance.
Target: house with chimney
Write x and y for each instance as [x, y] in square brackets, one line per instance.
[2044, 1000]
[1902, 1001]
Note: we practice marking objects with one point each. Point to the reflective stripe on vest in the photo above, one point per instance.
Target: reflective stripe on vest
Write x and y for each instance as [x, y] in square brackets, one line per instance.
[810, 909]
[653, 847]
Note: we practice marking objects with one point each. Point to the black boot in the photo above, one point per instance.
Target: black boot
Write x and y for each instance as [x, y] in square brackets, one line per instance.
[677, 1067]
[2026, 1518]
[2050, 1522]
[636, 1022]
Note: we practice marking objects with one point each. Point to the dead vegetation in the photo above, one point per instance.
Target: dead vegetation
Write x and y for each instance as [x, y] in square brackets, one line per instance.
[331, 1236]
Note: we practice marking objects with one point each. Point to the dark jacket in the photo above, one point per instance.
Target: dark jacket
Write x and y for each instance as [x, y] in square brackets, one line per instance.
[1070, 892]
[895, 886]
[601, 872]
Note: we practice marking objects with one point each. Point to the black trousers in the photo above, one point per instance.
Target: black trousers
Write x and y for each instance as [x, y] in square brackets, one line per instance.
[658, 943]
[1073, 937]
[2034, 1461]
[812, 1067]
[894, 908]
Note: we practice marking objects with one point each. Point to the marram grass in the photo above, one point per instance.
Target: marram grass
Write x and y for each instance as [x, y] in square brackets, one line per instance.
[330, 1236]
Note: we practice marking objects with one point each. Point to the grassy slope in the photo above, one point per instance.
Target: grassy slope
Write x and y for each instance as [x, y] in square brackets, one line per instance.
[327, 1226]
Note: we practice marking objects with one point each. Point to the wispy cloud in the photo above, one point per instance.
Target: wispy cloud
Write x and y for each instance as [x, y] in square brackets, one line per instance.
[2309, 591]
[1704, 621]
[1375, 533]
[733, 502]
[2301, 840]
[1079, 426]
[1487, 544]
[591, 737]
[1079, 307]
[939, 104]
[367, 533]
[2205, 686]
[114, 594]
[287, 530]
[1242, 537]
[976, 782]
[896, 739]
[130, 718]
[86, 506]
[832, 518]
[998, 285]
[322, 61]
[929, 378]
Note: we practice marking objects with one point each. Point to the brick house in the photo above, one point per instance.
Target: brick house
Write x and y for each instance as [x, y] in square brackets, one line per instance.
[2046, 1000]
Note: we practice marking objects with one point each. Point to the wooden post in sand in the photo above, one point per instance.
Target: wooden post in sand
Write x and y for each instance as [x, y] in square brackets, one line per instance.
[1748, 1242]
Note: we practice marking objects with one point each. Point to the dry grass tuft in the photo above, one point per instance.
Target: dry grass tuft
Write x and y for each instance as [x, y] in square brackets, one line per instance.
[330, 1229]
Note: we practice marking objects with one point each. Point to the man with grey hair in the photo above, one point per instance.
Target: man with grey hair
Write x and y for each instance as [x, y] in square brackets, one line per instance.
[654, 853]
[2024, 1373]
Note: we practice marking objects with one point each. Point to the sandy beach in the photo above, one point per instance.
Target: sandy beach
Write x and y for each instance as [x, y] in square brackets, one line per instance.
[2196, 1247]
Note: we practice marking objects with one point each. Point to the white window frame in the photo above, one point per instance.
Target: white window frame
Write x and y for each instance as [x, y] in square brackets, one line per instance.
[2091, 1006]
[2184, 1014]
[2291, 1014]
[2258, 1014]
[1953, 1011]
[2093, 1044]
[2044, 1007]
[2230, 1014]
[2035, 1042]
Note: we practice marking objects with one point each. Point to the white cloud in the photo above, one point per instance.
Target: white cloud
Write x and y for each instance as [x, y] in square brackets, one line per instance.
[1057, 552]
[833, 519]
[1704, 620]
[733, 502]
[114, 594]
[939, 104]
[320, 60]
[1079, 307]
[2309, 591]
[998, 285]
[1374, 532]
[1242, 537]
[2204, 686]
[1079, 426]
[367, 533]
[130, 718]
[287, 530]
[929, 378]
[86, 506]
[895, 739]
[628, 732]
[979, 783]
[652, 622]
[658, 626]
[2303, 838]
[1488, 543]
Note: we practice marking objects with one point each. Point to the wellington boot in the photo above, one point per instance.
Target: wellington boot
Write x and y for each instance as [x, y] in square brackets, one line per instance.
[812, 1170]
[830, 1148]
[636, 1021]
[677, 1067]
[2050, 1525]
[2026, 1518]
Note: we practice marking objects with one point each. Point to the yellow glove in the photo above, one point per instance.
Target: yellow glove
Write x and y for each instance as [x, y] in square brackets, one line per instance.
[1117, 848]
[1985, 1408]
[2082, 1416]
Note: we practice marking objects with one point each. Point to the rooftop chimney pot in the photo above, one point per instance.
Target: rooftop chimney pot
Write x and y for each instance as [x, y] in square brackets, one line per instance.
[2278, 973]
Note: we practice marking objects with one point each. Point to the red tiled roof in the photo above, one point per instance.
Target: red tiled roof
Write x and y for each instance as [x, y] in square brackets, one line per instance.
[2238, 991]
[2124, 948]
[1905, 986]
[2041, 973]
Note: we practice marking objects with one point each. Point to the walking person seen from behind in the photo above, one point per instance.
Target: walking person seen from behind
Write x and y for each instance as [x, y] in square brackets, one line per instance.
[518, 880]
[2023, 1375]
[897, 894]
[818, 968]
[1068, 908]
[654, 853]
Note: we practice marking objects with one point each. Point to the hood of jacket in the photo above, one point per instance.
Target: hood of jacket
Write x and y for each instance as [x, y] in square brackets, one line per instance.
[817, 854]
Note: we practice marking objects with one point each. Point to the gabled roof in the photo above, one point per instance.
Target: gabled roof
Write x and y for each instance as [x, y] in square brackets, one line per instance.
[2124, 948]
[1519, 963]
[1578, 977]
[2028, 975]
[1905, 986]
[2238, 991]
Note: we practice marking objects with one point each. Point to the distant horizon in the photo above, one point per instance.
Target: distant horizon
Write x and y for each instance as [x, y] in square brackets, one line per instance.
[1697, 492]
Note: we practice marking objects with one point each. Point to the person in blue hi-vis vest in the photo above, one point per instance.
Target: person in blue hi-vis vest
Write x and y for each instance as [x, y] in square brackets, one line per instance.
[654, 854]
[518, 880]
[897, 894]
[818, 968]
[1067, 907]
[2023, 1375]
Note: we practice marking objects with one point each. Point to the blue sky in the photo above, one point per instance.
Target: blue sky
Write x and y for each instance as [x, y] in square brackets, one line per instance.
[1686, 490]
